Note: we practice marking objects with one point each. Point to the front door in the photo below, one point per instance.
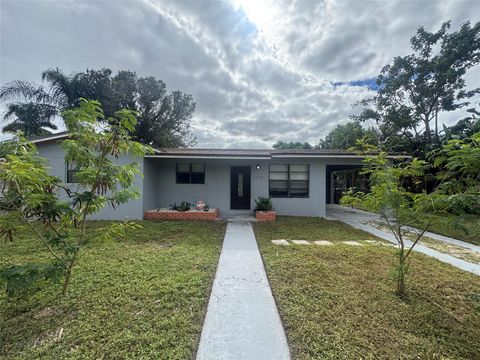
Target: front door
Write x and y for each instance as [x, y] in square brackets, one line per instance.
[240, 187]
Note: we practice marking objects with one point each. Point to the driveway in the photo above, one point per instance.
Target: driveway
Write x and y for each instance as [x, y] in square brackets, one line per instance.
[363, 220]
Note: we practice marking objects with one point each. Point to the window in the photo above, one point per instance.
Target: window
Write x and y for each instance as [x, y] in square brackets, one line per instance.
[191, 173]
[71, 173]
[289, 180]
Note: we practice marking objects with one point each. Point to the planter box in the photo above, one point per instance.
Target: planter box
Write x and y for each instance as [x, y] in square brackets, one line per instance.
[265, 215]
[212, 214]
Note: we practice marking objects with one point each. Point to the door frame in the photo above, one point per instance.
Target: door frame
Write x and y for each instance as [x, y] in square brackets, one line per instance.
[250, 185]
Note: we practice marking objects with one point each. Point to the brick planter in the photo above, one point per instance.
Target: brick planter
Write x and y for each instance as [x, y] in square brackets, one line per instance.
[265, 216]
[212, 214]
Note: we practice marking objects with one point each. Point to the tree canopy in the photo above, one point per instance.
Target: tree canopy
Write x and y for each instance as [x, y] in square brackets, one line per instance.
[414, 89]
[292, 145]
[31, 118]
[345, 136]
[163, 118]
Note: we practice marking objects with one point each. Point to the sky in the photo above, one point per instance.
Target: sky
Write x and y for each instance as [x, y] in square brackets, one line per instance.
[259, 71]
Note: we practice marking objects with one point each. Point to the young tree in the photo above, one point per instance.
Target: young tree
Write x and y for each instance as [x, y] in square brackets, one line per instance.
[457, 166]
[395, 203]
[416, 88]
[393, 193]
[29, 193]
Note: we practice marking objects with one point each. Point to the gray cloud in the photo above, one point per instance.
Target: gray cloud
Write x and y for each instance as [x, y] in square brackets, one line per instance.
[254, 83]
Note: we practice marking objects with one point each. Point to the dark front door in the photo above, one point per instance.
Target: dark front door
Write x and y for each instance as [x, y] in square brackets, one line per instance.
[240, 187]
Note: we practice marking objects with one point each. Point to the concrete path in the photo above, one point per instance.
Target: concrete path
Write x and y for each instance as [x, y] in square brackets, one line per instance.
[359, 219]
[242, 320]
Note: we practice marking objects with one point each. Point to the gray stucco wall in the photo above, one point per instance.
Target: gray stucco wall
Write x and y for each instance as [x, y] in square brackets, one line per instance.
[158, 186]
[131, 210]
[216, 190]
[150, 185]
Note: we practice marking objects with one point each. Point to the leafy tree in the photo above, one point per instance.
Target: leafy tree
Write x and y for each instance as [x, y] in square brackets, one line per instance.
[393, 192]
[416, 88]
[457, 166]
[30, 193]
[345, 136]
[463, 128]
[163, 118]
[30, 118]
[395, 203]
[292, 145]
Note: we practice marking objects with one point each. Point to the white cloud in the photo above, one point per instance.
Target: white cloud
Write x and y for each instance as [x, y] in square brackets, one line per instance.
[259, 71]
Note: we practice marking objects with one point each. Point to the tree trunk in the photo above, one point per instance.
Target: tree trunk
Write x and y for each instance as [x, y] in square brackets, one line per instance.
[401, 278]
[68, 275]
[428, 131]
[401, 268]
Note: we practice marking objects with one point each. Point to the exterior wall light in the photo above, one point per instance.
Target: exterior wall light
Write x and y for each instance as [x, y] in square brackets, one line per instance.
[257, 167]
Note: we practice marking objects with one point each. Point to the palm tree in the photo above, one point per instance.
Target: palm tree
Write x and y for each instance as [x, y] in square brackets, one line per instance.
[25, 91]
[63, 91]
[30, 118]
[36, 105]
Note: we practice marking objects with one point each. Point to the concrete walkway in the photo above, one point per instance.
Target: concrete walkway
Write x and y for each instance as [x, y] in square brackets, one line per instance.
[359, 219]
[242, 320]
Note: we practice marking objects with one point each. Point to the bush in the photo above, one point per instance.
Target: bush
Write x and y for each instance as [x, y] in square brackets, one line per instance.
[263, 204]
[184, 206]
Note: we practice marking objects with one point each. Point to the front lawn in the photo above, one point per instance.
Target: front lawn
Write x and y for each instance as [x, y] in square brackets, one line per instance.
[141, 297]
[338, 302]
[465, 227]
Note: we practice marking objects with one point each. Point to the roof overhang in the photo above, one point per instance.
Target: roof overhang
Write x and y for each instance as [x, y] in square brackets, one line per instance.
[220, 157]
[50, 139]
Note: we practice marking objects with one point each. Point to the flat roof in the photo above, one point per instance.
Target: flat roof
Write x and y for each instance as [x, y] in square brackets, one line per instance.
[50, 138]
[190, 153]
[260, 154]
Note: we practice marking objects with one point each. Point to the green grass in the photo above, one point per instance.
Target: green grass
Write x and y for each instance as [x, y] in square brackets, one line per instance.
[142, 297]
[338, 302]
[466, 227]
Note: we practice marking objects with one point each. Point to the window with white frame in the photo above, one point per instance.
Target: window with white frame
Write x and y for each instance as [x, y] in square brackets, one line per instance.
[289, 180]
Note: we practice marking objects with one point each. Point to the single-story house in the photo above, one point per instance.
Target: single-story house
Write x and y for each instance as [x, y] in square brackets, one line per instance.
[298, 181]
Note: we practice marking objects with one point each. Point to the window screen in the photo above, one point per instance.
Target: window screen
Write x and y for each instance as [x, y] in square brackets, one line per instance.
[289, 180]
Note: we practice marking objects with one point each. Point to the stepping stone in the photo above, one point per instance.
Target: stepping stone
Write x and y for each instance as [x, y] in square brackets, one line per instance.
[353, 243]
[280, 242]
[323, 242]
[301, 242]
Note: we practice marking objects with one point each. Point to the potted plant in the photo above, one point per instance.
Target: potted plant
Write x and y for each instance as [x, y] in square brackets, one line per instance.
[264, 209]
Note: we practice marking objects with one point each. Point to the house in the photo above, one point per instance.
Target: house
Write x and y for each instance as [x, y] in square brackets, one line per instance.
[298, 181]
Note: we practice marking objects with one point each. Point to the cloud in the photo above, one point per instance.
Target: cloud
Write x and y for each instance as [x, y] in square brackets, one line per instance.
[259, 72]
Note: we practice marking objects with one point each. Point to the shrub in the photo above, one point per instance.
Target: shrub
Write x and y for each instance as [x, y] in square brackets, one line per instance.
[263, 204]
[184, 206]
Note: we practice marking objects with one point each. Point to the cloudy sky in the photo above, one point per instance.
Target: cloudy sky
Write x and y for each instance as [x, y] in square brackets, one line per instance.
[259, 71]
